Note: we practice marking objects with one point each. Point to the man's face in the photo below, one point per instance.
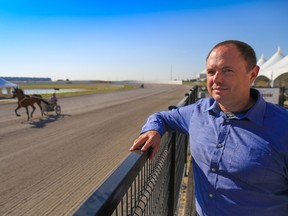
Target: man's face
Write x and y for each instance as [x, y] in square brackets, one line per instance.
[228, 81]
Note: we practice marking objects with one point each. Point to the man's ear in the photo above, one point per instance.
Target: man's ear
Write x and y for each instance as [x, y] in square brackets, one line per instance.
[254, 73]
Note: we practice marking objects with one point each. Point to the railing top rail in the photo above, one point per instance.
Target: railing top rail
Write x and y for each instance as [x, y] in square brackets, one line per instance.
[185, 99]
[105, 199]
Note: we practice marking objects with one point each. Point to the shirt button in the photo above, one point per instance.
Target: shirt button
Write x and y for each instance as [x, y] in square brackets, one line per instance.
[213, 169]
[210, 195]
[219, 145]
[227, 120]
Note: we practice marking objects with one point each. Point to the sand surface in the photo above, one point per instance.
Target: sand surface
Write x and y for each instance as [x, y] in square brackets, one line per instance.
[50, 165]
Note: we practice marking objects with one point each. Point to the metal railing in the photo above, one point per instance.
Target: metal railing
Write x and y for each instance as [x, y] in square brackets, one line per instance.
[140, 186]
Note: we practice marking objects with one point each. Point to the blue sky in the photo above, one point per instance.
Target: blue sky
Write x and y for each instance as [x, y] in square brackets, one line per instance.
[131, 40]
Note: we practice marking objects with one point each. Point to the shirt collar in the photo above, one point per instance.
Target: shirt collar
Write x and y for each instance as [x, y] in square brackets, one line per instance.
[254, 114]
[257, 111]
[214, 107]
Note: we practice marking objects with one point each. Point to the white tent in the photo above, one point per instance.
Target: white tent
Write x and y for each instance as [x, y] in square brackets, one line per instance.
[270, 62]
[282, 63]
[6, 85]
[261, 61]
[202, 75]
[275, 69]
[278, 70]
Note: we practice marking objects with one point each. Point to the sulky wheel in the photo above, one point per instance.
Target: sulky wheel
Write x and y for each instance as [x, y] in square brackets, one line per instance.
[58, 110]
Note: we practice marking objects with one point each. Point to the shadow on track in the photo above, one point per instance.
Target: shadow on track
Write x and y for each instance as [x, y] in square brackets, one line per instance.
[42, 122]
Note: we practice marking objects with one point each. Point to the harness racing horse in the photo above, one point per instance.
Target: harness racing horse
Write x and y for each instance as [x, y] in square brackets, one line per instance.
[27, 100]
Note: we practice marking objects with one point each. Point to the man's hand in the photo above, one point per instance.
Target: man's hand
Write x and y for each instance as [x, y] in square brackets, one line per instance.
[148, 139]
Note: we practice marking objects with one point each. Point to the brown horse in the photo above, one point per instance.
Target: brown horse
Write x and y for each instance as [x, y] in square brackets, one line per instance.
[27, 100]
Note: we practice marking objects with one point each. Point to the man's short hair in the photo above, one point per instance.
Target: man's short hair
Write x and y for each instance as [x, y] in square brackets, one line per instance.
[246, 51]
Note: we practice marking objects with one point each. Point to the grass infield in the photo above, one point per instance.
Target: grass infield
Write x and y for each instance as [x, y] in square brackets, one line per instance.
[84, 88]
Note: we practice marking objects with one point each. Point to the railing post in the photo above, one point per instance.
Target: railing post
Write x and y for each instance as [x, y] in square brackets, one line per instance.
[281, 96]
[171, 198]
[189, 97]
[194, 93]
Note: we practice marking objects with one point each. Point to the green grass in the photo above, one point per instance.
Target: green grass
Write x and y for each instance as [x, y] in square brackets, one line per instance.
[194, 83]
[84, 88]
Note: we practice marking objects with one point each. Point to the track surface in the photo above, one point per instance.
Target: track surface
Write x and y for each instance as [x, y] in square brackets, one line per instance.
[50, 165]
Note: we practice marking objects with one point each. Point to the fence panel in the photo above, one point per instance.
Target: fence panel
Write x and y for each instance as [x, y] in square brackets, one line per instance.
[140, 186]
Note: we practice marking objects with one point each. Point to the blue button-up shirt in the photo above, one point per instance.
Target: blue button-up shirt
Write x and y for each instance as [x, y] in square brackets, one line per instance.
[240, 162]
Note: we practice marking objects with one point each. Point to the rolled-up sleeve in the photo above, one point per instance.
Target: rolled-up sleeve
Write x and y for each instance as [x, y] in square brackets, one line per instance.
[172, 120]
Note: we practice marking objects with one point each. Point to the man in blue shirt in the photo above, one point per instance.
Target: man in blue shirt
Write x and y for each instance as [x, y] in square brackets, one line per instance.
[238, 141]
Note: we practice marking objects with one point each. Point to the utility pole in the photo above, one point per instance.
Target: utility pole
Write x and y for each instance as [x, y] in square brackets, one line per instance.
[171, 77]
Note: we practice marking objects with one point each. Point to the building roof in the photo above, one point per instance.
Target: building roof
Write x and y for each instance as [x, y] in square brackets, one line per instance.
[4, 83]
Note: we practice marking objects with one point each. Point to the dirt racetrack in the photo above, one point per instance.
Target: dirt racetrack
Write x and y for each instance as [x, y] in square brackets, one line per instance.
[50, 165]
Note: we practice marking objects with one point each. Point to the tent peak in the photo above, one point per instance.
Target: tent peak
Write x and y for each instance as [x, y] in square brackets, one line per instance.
[261, 60]
[279, 51]
[262, 56]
